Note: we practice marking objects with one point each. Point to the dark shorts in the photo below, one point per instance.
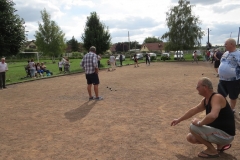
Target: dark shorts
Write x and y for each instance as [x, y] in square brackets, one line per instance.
[60, 68]
[92, 79]
[229, 87]
[216, 64]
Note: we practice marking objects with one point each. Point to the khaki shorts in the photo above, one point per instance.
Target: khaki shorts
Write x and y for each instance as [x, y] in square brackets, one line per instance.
[212, 135]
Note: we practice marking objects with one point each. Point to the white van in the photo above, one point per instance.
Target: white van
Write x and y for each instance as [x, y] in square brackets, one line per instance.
[178, 55]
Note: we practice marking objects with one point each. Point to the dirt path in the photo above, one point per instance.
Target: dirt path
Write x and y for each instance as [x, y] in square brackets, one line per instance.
[53, 119]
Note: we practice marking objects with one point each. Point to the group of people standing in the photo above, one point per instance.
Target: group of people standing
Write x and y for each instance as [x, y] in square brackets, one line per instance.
[64, 65]
[113, 62]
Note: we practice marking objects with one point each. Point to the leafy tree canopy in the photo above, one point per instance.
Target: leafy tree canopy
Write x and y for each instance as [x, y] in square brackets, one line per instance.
[124, 46]
[74, 44]
[49, 37]
[184, 32]
[12, 30]
[96, 34]
[151, 40]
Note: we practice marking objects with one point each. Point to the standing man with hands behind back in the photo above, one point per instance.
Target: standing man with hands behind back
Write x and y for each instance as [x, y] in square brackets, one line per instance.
[90, 66]
[3, 69]
[217, 127]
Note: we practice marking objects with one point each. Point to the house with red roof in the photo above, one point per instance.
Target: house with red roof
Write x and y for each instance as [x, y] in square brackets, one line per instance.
[152, 47]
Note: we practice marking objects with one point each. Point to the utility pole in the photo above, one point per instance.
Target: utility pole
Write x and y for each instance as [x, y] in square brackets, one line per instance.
[128, 41]
[208, 43]
[123, 46]
[238, 37]
[208, 37]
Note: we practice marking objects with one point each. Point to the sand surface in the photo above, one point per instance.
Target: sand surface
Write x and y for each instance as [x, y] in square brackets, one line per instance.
[53, 119]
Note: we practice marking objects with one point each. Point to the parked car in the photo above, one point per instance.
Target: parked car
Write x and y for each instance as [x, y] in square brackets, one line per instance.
[123, 58]
[139, 56]
[178, 55]
[165, 56]
[153, 56]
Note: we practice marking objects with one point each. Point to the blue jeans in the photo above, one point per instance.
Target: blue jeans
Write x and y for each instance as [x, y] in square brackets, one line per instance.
[32, 71]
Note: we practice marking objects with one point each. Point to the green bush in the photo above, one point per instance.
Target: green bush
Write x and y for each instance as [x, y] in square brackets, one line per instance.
[199, 57]
[164, 58]
[153, 58]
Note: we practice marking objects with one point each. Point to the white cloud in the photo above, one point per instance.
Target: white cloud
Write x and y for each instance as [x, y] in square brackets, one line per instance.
[141, 18]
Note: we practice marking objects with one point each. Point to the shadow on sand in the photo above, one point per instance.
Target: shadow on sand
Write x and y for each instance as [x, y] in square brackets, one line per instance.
[223, 156]
[80, 112]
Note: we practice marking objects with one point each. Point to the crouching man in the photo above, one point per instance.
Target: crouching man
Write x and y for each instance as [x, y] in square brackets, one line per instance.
[217, 127]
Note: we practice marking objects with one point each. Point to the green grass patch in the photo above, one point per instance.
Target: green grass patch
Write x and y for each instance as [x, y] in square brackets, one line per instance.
[16, 70]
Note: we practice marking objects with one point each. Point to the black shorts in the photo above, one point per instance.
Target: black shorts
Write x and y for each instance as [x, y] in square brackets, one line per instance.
[92, 79]
[216, 64]
[229, 87]
[60, 69]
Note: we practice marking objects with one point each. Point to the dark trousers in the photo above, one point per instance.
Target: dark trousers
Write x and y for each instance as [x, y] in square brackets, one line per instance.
[2, 79]
[147, 61]
[99, 64]
[120, 62]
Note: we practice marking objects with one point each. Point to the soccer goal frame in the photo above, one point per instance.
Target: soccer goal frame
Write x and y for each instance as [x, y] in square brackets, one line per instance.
[37, 54]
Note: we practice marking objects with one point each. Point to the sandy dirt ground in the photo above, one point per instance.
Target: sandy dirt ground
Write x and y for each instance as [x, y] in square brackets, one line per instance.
[52, 119]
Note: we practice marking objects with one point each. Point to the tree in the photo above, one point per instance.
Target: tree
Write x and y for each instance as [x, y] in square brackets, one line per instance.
[74, 44]
[49, 37]
[12, 30]
[151, 40]
[95, 34]
[124, 46]
[184, 32]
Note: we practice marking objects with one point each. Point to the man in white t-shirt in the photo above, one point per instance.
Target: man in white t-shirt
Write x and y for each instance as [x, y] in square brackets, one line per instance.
[229, 73]
[112, 62]
[3, 69]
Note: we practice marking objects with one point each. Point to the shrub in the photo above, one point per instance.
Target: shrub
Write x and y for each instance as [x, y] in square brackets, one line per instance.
[153, 58]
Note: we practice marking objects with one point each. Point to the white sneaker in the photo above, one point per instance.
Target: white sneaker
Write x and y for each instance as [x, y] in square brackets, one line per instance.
[98, 98]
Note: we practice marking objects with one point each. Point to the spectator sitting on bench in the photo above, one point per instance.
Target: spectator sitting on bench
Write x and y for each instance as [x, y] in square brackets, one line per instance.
[27, 70]
[39, 70]
[44, 68]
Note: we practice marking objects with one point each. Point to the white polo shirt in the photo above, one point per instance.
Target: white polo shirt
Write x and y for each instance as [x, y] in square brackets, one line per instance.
[112, 59]
[3, 67]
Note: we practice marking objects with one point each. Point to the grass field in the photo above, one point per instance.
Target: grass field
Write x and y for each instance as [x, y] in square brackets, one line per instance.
[16, 71]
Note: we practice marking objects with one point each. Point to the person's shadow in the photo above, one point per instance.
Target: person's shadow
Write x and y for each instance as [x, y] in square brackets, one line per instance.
[223, 156]
[80, 112]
